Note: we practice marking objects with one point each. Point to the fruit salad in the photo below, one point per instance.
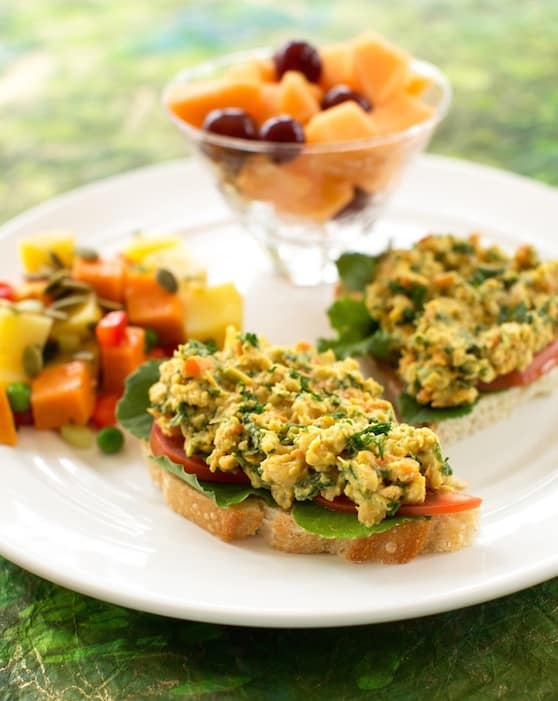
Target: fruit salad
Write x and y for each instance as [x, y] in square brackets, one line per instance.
[320, 127]
[80, 322]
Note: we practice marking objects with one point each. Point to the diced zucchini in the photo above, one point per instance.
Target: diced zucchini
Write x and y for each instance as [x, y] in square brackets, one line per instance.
[18, 330]
[209, 310]
[35, 251]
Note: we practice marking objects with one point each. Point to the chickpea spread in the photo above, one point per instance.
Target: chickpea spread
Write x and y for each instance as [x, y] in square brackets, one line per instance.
[298, 423]
[459, 314]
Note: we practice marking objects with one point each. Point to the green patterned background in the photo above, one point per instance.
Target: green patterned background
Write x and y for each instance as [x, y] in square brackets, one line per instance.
[79, 100]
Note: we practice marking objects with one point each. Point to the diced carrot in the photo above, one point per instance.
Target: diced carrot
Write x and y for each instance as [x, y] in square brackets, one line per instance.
[8, 435]
[106, 276]
[303, 346]
[63, 394]
[117, 362]
[195, 366]
[151, 306]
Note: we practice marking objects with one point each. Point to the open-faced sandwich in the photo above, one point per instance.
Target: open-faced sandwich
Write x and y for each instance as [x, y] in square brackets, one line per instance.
[457, 332]
[297, 446]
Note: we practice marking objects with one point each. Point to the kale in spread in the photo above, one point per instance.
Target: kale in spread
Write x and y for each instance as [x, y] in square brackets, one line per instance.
[298, 423]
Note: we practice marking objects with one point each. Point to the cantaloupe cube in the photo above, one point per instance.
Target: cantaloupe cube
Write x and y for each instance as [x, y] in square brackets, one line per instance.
[209, 310]
[326, 199]
[298, 188]
[266, 103]
[400, 112]
[380, 67]
[337, 66]
[260, 179]
[35, 251]
[296, 97]
[344, 122]
[417, 84]
[259, 69]
[17, 331]
[193, 101]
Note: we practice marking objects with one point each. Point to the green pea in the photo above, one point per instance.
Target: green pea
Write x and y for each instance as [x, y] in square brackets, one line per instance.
[151, 339]
[19, 396]
[110, 440]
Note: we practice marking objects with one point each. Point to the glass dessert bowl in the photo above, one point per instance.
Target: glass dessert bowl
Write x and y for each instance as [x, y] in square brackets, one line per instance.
[305, 201]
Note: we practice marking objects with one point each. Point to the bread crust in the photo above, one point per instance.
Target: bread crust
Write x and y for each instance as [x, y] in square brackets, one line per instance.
[233, 523]
[490, 408]
[400, 544]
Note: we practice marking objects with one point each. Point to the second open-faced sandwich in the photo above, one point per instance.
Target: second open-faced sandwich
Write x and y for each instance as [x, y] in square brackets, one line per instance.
[459, 333]
[297, 446]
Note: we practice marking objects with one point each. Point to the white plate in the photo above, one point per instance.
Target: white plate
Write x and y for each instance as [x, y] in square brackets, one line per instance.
[99, 526]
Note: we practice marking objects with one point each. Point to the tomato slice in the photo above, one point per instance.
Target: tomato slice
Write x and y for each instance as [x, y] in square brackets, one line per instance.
[173, 449]
[435, 503]
[542, 363]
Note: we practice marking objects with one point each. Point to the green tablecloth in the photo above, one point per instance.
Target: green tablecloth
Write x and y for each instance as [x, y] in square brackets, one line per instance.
[79, 86]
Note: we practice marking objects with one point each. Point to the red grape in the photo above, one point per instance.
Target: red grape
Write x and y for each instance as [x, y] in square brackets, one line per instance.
[284, 130]
[232, 122]
[343, 93]
[298, 56]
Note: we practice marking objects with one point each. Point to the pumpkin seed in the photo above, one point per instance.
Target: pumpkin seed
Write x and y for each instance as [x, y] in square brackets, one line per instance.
[55, 280]
[57, 314]
[32, 360]
[71, 284]
[70, 301]
[55, 259]
[30, 306]
[166, 280]
[109, 304]
[43, 274]
[89, 254]
[84, 355]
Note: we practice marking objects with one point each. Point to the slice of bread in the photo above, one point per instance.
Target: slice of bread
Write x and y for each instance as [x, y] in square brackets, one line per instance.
[444, 533]
[489, 409]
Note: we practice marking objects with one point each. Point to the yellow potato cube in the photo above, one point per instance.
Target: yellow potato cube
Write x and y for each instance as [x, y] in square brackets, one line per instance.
[18, 330]
[142, 246]
[35, 250]
[209, 310]
[179, 261]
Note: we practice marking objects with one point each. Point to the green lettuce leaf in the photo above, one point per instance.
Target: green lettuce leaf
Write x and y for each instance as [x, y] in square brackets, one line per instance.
[314, 518]
[131, 410]
[224, 495]
[358, 333]
[356, 270]
[411, 412]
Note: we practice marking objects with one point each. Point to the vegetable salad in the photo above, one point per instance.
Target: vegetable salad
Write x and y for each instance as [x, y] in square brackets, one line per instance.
[80, 322]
